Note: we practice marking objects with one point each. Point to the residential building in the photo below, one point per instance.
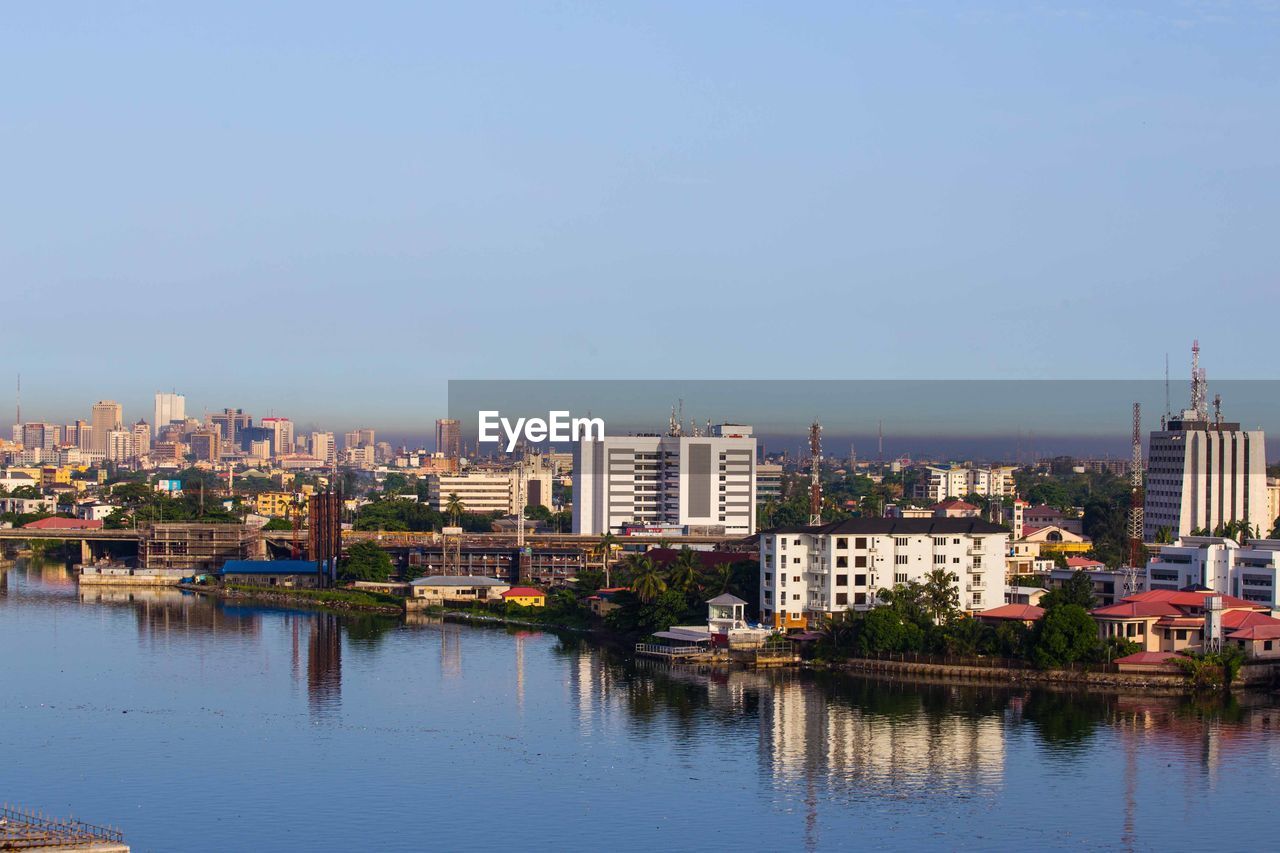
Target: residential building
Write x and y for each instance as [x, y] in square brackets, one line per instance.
[1250, 572]
[324, 448]
[1202, 474]
[107, 417]
[449, 438]
[438, 589]
[1109, 585]
[1186, 620]
[525, 596]
[231, 422]
[958, 481]
[279, 504]
[170, 407]
[809, 572]
[1042, 515]
[41, 436]
[489, 490]
[698, 483]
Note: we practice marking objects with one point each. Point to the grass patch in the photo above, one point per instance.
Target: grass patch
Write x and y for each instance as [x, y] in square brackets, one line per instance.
[352, 597]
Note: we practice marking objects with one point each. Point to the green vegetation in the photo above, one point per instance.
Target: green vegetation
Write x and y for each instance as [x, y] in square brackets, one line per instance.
[349, 597]
[1212, 670]
[278, 524]
[365, 561]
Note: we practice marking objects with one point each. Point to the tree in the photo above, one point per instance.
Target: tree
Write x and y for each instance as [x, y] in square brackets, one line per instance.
[884, 629]
[1066, 634]
[454, 508]
[365, 561]
[1077, 590]
[605, 550]
[941, 596]
[682, 575]
[646, 581]
[278, 524]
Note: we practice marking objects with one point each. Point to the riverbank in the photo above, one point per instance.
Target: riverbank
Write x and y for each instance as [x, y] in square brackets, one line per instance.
[1252, 676]
[337, 600]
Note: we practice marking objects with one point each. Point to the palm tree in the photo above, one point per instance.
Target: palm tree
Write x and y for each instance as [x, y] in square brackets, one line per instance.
[455, 508]
[605, 549]
[646, 580]
[683, 573]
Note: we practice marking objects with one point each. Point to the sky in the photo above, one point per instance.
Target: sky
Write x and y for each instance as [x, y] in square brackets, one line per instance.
[327, 211]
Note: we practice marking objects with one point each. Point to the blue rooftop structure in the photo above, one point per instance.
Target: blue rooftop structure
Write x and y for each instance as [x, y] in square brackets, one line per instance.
[271, 567]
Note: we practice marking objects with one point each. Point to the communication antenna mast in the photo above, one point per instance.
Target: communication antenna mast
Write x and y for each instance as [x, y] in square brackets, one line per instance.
[1135, 505]
[520, 503]
[815, 466]
[1199, 393]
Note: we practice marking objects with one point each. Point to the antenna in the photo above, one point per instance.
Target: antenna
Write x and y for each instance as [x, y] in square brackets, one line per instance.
[1135, 504]
[1199, 403]
[815, 482]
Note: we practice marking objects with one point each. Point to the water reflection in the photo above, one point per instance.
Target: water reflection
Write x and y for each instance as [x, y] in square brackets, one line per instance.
[324, 665]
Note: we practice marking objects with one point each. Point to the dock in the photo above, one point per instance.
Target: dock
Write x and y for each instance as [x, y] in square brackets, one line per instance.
[21, 829]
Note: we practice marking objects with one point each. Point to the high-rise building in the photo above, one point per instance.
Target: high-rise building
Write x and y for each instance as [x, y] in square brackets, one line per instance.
[667, 482]
[119, 445]
[206, 444]
[322, 447]
[1203, 474]
[107, 418]
[281, 435]
[449, 438]
[230, 422]
[366, 437]
[169, 407]
[141, 438]
[39, 435]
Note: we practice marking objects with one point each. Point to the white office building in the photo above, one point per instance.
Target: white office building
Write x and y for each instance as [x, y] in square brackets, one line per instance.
[671, 482]
[1204, 473]
[1250, 571]
[809, 572]
[169, 407]
[493, 490]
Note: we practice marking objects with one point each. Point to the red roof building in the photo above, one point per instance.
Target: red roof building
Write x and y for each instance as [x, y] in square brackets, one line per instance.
[55, 523]
[1084, 564]
[1027, 613]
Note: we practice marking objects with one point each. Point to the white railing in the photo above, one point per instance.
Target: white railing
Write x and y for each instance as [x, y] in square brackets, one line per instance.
[658, 650]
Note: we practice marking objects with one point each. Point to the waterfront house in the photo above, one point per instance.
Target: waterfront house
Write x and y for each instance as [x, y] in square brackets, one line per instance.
[1027, 614]
[1176, 620]
[525, 596]
[603, 600]
[305, 574]
[457, 589]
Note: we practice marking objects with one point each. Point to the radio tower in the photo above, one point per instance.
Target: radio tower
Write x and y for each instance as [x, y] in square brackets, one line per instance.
[1135, 505]
[1199, 387]
[815, 465]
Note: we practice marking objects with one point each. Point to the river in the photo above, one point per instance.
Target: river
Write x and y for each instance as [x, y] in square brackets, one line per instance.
[198, 725]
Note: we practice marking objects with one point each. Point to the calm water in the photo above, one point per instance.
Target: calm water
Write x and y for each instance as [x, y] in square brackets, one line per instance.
[198, 726]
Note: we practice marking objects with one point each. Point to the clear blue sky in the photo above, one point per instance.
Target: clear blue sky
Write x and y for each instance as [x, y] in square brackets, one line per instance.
[327, 210]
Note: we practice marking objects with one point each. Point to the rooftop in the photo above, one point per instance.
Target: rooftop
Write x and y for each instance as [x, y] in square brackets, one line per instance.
[271, 567]
[55, 523]
[523, 592]
[458, 580]
[895, 526]
[1015, 612]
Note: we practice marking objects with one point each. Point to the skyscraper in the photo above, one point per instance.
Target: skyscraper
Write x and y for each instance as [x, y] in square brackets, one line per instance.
[107, 417]
[169, 407]
[449, 438]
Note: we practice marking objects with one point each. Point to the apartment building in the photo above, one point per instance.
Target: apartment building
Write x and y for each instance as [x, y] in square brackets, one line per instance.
[957, 481]
[169, 408]
[1250, 572]
[107, 417]
[669, 481]
[768, 482]
[809, 572]
[1204, 473]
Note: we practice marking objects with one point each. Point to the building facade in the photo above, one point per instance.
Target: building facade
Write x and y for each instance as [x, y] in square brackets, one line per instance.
[1202, 474]
[169, 408]
[702, 483]
[810, 572]
[1250, 572]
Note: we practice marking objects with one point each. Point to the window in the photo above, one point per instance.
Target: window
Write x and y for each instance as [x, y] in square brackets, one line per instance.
[955, 541]
[859, 598]
[768, 576]
[900, 577]
[1131, 630]
[842, 542]
[795, 579]
[939, 542]
[955, 559]
[901, 541]
[795, 561]
[860, 562]
[900, 560]
[977, 562]
[939, 559]
[860, 543]
[859, 580]
[842, 599]
[795, 597]
[842, 580]
[842, 562]
[1180, 635]
[1266, 645]
[768, 596]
